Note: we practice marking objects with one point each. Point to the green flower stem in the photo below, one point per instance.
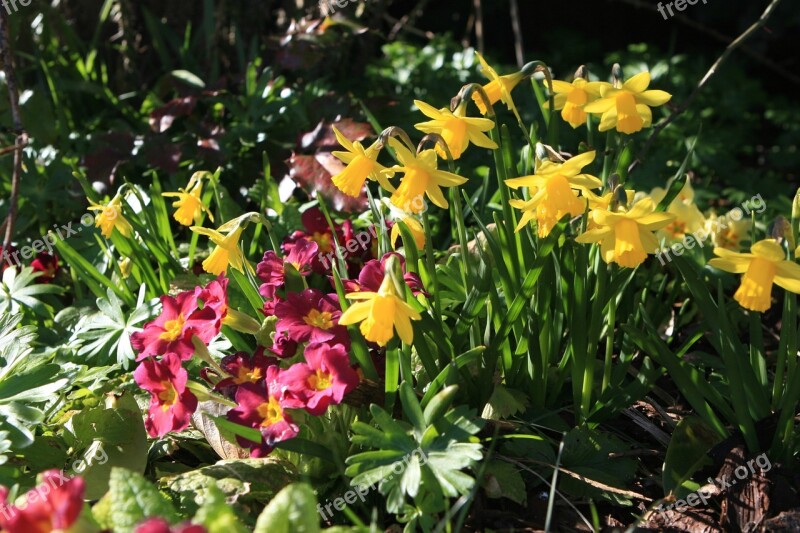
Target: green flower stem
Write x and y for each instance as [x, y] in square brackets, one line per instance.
[431, 265]
[326, 213]
[612, 318]
[608, 158]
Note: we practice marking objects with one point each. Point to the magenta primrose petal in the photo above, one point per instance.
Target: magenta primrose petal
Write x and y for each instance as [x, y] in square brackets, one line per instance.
[171, 403]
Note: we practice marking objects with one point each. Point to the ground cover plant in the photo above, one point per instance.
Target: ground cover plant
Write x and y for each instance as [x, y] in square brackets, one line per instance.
[357, 276]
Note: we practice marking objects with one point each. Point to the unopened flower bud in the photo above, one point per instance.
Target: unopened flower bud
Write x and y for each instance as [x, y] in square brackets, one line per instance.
[616, 75]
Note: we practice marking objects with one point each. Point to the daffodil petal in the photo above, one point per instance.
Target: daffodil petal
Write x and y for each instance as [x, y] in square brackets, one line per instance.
[768, 249]
[638, 83]
[653, 98]
[787, 275]
[355, 313]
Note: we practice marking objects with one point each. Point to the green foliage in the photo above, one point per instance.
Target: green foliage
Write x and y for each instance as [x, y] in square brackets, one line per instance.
[246, 484]
[28, 384]
[107, 438]
[104, 335]
[19, 292]
[293, 509]
[421, 460]
[132, 499]
[687, 453]
[216, 514]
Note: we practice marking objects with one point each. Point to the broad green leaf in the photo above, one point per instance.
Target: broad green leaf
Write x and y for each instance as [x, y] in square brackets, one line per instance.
[687, 452]
[293, 510]
[501, 479]
[245, 483]
[134, 499]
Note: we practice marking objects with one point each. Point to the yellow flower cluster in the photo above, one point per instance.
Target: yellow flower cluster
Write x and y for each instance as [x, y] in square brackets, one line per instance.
[622, 106]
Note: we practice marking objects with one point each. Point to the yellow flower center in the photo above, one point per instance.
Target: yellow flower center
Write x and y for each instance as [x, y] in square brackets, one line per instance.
[728, 239]
[173, 329]
[454, 134]
[271, 412]
[320, 380]
[755, 292]
[573, 112]
[169, 396]
[323, 240]
[110, 212]
[628, 249]
[321, 320]
[246, 375]
[351, 179]
[677, 229]
[628, 119]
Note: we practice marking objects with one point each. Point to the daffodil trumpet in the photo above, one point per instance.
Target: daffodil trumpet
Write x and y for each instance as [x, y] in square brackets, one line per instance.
[111, 217]
[456, 128]
[766, 265]
[226, 238]
[189, 205]
[384, 313]
[361, 164]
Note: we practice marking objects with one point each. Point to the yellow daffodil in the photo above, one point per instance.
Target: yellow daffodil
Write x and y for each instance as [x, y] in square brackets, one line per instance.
[552, 189]
[362, 164]
[381, 313]
[603, 202]
[571, 98]
[628, 107]
[456, 129]
[190, 207]
[726, 232]
[414, 226]
[226, 252]
[688, 218]
[498, 89]
[111, 218]
[626, 237]
[421, 178]
[765, 265]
